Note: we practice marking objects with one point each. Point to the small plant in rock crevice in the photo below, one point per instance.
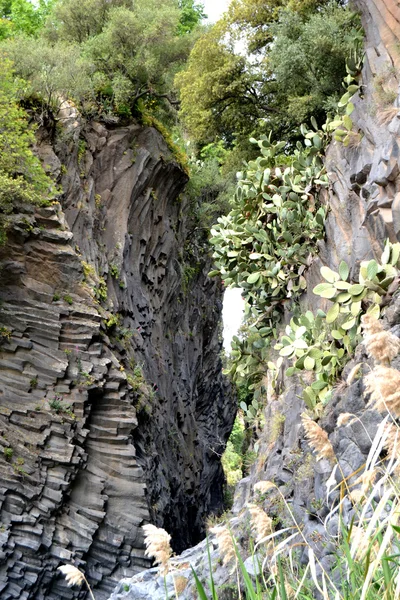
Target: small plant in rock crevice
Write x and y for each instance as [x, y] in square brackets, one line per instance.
[58, 406]
[144, 391]
[88, 270]
[114, 271]
[100, 290]
[5, 334]
[8, 453]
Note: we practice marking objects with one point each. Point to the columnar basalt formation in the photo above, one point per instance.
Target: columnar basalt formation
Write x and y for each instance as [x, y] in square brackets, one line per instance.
[113, 411]
[364, 211]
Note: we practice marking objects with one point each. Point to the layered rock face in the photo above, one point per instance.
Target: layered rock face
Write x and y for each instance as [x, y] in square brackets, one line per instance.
[364, 202]
[113, 411]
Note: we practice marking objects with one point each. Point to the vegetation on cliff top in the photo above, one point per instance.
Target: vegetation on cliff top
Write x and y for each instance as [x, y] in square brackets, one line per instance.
[105, 56]
[22, 178]
[264, 66]
[260, 67]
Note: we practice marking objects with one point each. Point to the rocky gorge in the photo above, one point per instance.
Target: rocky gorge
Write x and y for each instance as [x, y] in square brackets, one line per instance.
[113, 408]
[363, 200]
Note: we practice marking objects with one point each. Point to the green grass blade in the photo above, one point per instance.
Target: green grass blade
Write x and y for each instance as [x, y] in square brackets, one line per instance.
[346, 533]
[199, 586]
[251, 592]
[281, 580]
[212, 586]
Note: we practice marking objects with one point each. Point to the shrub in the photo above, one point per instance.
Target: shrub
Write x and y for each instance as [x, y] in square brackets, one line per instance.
[8, 453]
[59, 407]
[22, 178]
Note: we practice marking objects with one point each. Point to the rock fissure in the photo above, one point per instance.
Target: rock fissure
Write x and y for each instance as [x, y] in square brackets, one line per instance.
[363, 201]
[111, 388]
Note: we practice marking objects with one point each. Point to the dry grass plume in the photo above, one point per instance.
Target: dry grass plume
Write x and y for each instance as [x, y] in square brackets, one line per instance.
[261, 523]
[383, 383]
[157, 542]
[317, 438]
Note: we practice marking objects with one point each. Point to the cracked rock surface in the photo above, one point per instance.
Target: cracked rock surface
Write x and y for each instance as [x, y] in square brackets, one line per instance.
[364, 203]
[113, 410]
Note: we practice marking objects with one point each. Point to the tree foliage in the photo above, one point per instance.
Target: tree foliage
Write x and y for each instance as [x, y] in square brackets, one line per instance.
[226, 92]
[191, 15]
[219, 95]
[22, 178]
[137, 49]
[253, 18]
[62, 73]
[22, 16]
[123, 51]
[308, 59]
[79, 20]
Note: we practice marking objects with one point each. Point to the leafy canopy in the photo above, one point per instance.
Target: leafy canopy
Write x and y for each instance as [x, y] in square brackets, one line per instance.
[191, 15]
[124, 50]
[253, 18]
[22, 16]
[22, 178]
[294, 69]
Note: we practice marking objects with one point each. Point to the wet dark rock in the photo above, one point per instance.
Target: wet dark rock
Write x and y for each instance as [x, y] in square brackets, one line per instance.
[95, 456]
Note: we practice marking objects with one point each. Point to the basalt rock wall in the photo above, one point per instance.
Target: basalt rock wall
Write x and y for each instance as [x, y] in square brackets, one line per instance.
[364, 211]
[113, 411]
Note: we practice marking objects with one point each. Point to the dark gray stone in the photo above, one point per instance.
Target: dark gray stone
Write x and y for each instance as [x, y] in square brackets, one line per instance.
[99, 457]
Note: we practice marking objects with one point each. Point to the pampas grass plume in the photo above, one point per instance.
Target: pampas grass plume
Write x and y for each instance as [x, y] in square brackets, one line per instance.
[344, 418]
[225, 543]
[261, 523]
[383, 383]
[383, 347]
[73, 576]
[157, 542]
[317, 438]
[380, 345]
[371, 324]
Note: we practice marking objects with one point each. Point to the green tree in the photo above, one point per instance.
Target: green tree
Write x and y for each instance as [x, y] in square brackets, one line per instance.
[22, 178]
[79, 20]
[226, 92]
[253, 18]
[308, 59]
[22, 16]
[220, 91]
[62, 73]
[138, 49]
[191, 16]
[108, 55]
